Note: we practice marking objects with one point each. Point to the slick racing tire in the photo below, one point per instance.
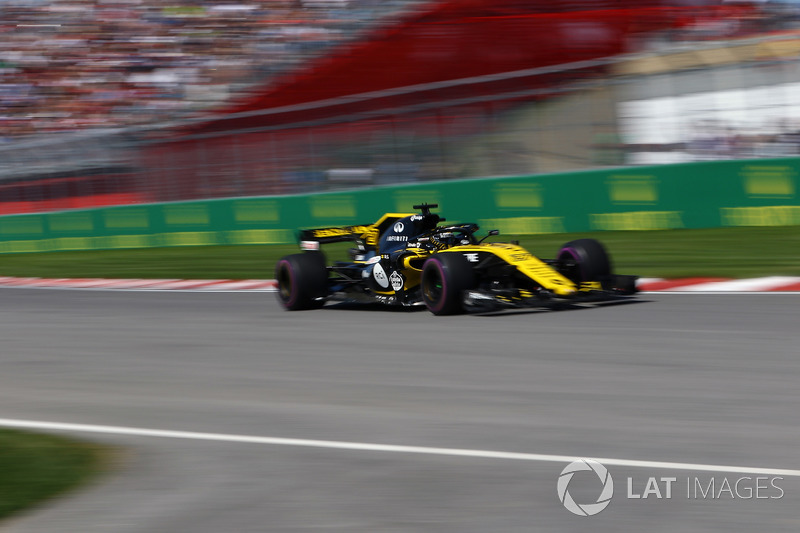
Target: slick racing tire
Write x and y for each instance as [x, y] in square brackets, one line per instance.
[444, 279]
[584, 260]
[302, 281]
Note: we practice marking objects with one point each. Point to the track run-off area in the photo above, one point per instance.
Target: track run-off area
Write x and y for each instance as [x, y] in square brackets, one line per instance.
[235, 415]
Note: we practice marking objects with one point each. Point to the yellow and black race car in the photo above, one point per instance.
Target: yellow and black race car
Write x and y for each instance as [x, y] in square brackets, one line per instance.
[412, 259]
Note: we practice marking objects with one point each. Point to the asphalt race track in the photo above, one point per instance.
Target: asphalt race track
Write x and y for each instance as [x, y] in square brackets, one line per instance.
[700, 380]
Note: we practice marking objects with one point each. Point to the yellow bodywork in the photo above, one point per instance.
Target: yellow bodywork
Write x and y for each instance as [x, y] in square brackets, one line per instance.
[527, 263]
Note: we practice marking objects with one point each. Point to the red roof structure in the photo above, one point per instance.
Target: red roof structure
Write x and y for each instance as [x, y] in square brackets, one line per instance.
[449, 50]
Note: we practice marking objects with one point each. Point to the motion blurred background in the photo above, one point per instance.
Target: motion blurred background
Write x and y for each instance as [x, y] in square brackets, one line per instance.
[107, 102]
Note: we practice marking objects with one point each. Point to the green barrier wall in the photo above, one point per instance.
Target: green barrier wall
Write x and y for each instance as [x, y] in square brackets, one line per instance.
[692, 195]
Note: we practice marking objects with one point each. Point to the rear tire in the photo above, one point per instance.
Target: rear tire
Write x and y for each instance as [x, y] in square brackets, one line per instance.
[302, 281]
[445, 277]
[584, 260]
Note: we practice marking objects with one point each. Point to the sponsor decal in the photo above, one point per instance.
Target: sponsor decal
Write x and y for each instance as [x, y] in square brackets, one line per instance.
[380, 276]
[399, 227]
[331, 232]
[472, 257]
[397, 281]
[416, 218]
[312, 246]
[397, 238]
[345, 231]
[637, 220]
[373, 260]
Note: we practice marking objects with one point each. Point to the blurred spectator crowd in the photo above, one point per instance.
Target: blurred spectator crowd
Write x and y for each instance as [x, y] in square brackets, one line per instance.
[67, 65]
[75, 64]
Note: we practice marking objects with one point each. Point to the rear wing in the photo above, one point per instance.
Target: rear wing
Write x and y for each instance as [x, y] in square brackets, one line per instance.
[336, 234]
[311, 239]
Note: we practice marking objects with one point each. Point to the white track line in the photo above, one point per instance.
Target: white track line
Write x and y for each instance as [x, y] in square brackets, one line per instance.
[643, 281]
[729, 286]
[145, 289]
[361, 446]
[682, 292]
[741, 285]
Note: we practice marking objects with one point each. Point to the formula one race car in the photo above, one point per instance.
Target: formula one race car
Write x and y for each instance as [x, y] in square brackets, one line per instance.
[411, 259]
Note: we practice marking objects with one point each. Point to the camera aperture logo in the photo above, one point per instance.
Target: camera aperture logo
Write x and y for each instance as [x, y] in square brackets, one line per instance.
[586, 509]
[640, 487]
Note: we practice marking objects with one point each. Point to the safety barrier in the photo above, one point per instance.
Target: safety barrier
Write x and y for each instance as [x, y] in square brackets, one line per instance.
[690, 195]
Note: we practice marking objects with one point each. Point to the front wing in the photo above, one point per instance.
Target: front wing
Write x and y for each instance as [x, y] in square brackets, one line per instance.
[614, 288]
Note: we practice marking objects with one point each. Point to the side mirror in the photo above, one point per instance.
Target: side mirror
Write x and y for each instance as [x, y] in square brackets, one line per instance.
[491, 233]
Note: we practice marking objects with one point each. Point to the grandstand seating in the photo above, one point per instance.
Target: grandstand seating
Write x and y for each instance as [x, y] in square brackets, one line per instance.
[304, 104]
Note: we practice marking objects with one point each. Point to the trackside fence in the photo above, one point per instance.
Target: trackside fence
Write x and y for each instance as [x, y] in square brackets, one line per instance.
[756, 192]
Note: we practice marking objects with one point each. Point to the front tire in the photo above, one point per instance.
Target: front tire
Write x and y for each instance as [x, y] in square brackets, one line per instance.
[584, 260]
[302, 281]
[445, 277]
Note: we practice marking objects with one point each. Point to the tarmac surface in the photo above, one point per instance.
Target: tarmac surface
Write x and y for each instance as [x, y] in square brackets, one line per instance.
[700, 380]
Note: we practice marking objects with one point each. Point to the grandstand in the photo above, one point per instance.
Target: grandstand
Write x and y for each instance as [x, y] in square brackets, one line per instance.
[77, 64]
[430, 91]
